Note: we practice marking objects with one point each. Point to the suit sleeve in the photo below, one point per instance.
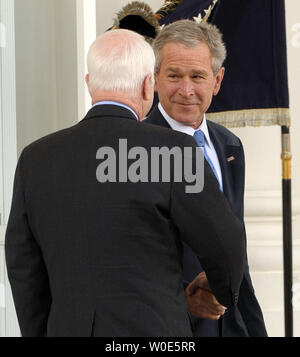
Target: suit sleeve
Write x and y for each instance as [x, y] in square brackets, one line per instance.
[25, 266]
[207, 224]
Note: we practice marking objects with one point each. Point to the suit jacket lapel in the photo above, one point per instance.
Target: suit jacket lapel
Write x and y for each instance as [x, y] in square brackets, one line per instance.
[220, 149]
[225, 148]
[157, 118]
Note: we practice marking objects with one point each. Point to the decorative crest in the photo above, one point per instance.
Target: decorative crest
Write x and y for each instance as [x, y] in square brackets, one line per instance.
[168, 7]
[171, 5]
[138, 16]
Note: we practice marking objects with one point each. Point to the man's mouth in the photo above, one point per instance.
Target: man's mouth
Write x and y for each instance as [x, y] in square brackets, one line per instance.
[186, 104]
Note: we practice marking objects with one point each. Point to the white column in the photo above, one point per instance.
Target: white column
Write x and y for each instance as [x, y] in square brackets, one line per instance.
[86, 34]
[2, 283]
[8, 104]
[263, 211]
[8, 144]
[263, 219]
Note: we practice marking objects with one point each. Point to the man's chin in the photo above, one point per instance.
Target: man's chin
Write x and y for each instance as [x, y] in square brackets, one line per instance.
[184, 119]
[190, 119]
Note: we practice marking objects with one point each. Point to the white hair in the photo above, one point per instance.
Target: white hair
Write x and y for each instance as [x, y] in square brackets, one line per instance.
[119, 60]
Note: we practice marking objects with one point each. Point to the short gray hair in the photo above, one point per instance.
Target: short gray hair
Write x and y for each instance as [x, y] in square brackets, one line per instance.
[119, 60]
[189, 34]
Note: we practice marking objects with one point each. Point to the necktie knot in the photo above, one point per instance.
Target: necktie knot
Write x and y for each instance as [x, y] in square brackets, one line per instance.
[199, 137]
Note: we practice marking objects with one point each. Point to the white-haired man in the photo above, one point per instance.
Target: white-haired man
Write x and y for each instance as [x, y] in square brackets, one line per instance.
[91, 255]
[189, 72]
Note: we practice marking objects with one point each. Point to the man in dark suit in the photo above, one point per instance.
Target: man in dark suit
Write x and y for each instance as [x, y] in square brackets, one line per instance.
[188, 74]
[92, 255]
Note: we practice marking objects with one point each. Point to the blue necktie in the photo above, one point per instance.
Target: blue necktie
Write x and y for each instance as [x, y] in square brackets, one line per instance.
[200, 139]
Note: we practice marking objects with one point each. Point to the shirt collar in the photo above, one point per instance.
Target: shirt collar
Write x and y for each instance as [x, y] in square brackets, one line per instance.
[111, 102]
[175, 125]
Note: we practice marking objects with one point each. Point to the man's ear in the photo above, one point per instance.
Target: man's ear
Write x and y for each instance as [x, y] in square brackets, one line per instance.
[219, 79]
[148, 88]
[87, 78]
[155, 83]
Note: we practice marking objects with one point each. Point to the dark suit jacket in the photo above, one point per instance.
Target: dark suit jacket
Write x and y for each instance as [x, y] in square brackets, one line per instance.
[246, 318]
[86, 258]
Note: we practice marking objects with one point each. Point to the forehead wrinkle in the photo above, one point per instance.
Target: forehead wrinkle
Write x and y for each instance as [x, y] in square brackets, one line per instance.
[192, 71]
[174, 55]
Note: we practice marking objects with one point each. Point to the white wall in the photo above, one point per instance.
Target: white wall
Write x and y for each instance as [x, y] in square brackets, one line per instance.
[46, 67]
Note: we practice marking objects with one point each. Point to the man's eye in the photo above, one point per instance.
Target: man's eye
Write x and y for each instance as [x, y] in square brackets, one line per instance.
[172, 75]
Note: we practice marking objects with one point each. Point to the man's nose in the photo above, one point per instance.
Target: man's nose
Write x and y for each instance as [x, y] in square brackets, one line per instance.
[186, 88]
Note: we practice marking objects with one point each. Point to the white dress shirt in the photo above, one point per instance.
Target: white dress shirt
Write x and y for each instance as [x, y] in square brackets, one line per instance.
[211, 152]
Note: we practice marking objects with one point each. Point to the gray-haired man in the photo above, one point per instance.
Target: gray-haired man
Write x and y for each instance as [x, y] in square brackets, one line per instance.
[93, 257]
[189, 72]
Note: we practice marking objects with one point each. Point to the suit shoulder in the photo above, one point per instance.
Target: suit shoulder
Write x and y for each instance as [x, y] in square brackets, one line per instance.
[43, 144]
[150, 119]
[155, 117]
[231, 139]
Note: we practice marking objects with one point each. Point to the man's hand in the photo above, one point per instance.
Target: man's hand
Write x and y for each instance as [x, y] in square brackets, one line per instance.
[199, 282]
[201, 301]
